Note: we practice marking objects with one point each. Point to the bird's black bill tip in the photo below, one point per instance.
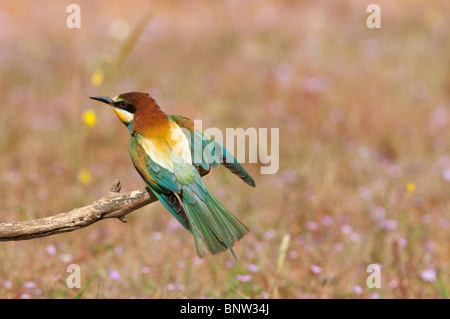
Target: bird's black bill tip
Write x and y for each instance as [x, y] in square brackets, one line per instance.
[103, 99]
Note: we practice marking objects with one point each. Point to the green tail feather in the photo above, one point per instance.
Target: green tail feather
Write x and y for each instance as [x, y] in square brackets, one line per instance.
[212, 225]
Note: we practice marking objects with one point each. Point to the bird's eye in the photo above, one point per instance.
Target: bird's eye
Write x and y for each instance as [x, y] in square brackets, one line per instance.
[123, 104]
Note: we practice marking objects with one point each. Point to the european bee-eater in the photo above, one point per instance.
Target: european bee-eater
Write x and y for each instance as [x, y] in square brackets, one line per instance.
[171, 153]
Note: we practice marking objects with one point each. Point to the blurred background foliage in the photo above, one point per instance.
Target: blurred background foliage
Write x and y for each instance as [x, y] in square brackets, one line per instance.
[364, 172]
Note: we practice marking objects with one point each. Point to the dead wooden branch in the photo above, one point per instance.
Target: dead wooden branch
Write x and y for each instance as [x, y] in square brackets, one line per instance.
[112, 205]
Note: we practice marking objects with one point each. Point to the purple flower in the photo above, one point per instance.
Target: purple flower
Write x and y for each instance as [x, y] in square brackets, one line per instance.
[315, 269]
[390, 224]
[393, 283]
[196, 261]
[443, 223]
[269, 234]
[439, 116]
[264, 295]
[365, 193]
[51, 250]
[346, 229]
[402, 242]
[428, 275]
[67, 258]
[114, 274]
[292, 254]
[253, 268]
[156, 236]
[314, 85]
[146, 270]
[180, 264]
[339, 246]
[379, 213]
[429, 245]
[173, 225]
[284, 73]
[327, 221]
[118, 250]
[312, 225]
[357, 289]
[7, 284]
[394, 170]
[446, 174]
[244, 278]
[173, 287]
[29, 284]
[354, 237]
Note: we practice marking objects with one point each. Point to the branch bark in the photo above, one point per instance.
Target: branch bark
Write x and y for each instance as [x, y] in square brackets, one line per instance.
[112, 205]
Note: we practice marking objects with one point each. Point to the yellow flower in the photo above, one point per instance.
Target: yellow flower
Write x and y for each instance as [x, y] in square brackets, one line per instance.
[410, 187]
[84, 176]
[89, 117]
[97, 78]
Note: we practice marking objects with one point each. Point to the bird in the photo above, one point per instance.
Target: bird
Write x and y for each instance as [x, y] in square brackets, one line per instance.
[171, 154]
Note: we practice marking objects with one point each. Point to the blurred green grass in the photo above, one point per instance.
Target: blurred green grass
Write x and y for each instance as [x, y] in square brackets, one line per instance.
[362, 114]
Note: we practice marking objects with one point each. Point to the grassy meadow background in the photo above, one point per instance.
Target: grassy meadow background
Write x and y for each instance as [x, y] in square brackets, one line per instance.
[364, 169]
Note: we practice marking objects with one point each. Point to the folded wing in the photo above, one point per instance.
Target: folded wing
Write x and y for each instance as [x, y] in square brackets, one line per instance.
[206, 152]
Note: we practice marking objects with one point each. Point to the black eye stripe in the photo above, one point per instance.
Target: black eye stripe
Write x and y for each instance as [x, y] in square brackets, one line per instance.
[131, 108]
[126, 106]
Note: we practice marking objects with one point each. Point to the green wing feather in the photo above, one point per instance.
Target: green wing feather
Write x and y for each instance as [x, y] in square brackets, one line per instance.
[211, 152]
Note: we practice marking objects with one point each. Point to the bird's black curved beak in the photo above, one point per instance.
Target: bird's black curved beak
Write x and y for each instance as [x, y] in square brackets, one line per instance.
[103, 99]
